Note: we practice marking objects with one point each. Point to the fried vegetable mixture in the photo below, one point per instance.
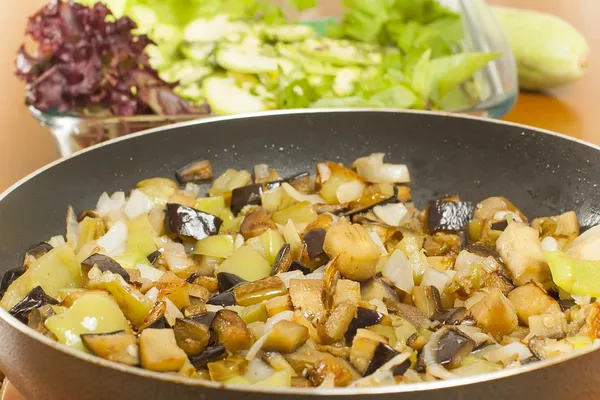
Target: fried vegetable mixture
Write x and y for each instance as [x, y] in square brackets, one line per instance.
[326, 280]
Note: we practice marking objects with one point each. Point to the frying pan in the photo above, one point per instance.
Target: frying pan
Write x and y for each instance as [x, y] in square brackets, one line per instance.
[541, 172]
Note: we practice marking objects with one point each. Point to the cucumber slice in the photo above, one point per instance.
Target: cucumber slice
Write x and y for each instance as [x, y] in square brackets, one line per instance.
[215, 29]
[225, 97]
[341, 52]
[289, 33]
[185, 72]
[238, 59]
[197, 51]
[344, 83]
[192, 92]
[310, 65]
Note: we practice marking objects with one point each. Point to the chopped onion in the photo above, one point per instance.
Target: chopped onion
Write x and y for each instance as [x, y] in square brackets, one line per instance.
[466, 258]
[284, 315]
[296, 195]
[379, 305]
[430, 356]
[391, 214]
[350, 191]
[258, 370]
[515, 351]
[315, 275]
[114, 241]
[375, 237]
[107, 204]
[500, 215]
[56, 241]
[150, 273]
[261, 172]
[433, 277]
[176, 257]
[475, 334]
[372, 169]
[582, 300]
[382, 375]
[72, 228]
[549, 244]
[328, 381]
[213, 307]
[324, 172]
[475, 298]
[152, 294]
[171, 311]
[192, 188]
[286, 277]
[239, 241]
[138, 204]
[399, 270]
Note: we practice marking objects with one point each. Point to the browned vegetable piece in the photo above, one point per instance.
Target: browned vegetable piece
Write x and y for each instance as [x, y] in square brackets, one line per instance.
[323, 221]
[498, 280]
[490, 206]
[34, 299]
[427, 299]
[383, 353]
[159, 351]
[521, 250]
[331, 208]
[155, 318]
[453, 348]
[531, 299]
[191, 336]
[211, 353]
[300, 182]
[228, 368]
[561, 226]
[197, 171]
[410, 313]
[330, 280]
[341, 370]
[118, 346]
[196, 307]
[283, 260]
[223, 299]
[404, 194]
[256, 223]
[339, 321]
[357, 253]
[336, 349]
[495, 314]
[363, 348]
[174, 288]
[228, 281]
[37, 318]
[377, 194]
[258, 291]
[301, 382]
[199, 292]
[314, 240]
[551, 326]
[286, 337]
[105, 263]
[347, 290]
[376, 288]
[364, 318]
[306, 296]
[453, 316]
[210, 283]
[304, 358]
[231, 331]
[278, 304]
[278, 362]
[301, 319]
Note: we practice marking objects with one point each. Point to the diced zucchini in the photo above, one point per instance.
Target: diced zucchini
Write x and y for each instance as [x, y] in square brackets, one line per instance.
[159, 190]
[92, 313]
[254, 313]
[225, 97]
[140, 237]
[220, 246]
[302, 212]
[246, 263]
[159, 351]
[213, 205]
[278, 379]
[119, 346]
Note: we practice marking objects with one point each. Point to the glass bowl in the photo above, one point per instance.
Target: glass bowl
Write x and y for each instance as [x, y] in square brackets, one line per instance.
[496, 84]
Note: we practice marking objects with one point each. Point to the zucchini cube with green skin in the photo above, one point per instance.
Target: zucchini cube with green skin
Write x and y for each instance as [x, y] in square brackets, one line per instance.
[159, 351]
[286, 337]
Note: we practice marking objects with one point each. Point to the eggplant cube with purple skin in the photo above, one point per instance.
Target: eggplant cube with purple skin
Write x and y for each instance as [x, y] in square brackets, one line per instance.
[191, 223]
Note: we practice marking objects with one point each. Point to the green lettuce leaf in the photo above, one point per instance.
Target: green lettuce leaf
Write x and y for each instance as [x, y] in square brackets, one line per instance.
[303, 4]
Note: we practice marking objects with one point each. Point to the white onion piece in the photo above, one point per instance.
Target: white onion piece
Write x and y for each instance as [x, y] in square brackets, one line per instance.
[586, 245]
[150, 273]
[430, 356]
[171, 311]
[114, 241]
[324, 172]
[56, 241]
[213, 307]
[549, 244]
[284, 315]
[72, 228]
[296, 195]
[192, 188]
[320, 270]
[582, 300]
[391, 214]
[176, 257]
[286, 277]
[138, 204]
[375, 237]
[349, 191]
[382, 375]
[372, 169]
[107, 204]
[261, 172]
[239, 241]
[258, 370]
[399, 270]
[515, 351]
[433, 277]
[475, 334]
[379, 305]
[475, 298]
[328, 381]
[317, 275]
[152, 294]
[500, 215]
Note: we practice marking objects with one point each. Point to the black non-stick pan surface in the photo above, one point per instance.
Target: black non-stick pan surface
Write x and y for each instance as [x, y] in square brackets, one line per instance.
[542, 173]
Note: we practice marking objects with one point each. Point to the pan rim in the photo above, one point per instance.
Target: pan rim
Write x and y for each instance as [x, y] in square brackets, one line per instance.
[420, 387]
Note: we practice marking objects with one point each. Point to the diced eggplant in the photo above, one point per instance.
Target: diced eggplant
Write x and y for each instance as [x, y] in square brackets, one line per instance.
[483, 251]
[330, 280]
[105, 263]
[160, 323]
[283, 260]
[205, 318]
[39, 250]
[500, 225]
[537, 346]
[448, 215]
[297, 266]
[159, 351]
[331, 208]
[400, 369]
[383, 353]
[495, 314]
[245, 195]
[376, 288]
[427, 299]
[339, 321]
[211, 353]
[258, 291]
[190, 223]
[34, 299]
[228, 281]
[231, 331]
[156, 317]
[364, 318]
[118, 346]
[196, 172]
[346, 290]
[300, 182]
[224, 299]
[278, 304]
[363, 349]
[256, 223]
[286, 337]
[154, 256]
[410, 313]
[9, 277]
[498, 280]
[531, 299]
[223, 370]
[307, 296]
[343, 373]
[551, 326]
[453, 348]
[453, 316]
[314, 240]
[374, 195]
[191, 336]
[357, 253]
[488, 208]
